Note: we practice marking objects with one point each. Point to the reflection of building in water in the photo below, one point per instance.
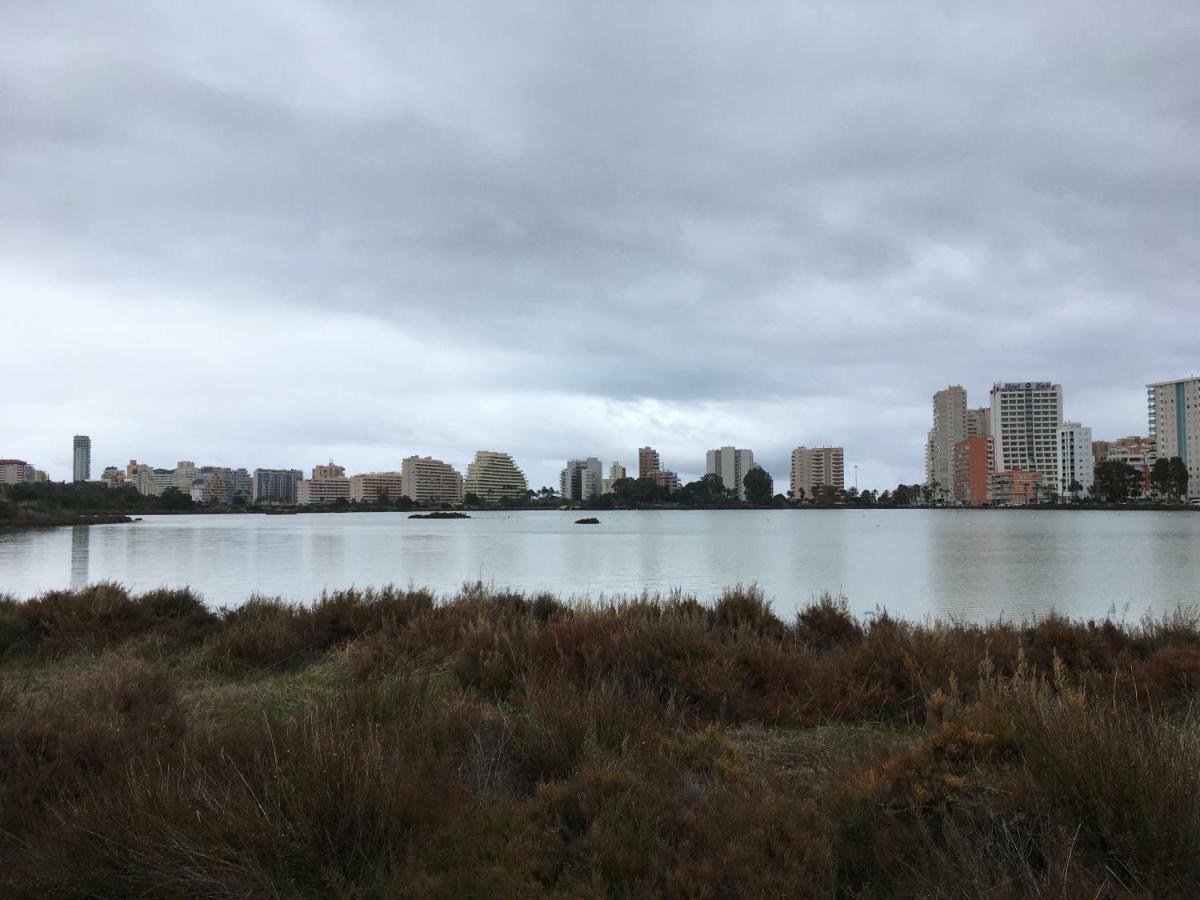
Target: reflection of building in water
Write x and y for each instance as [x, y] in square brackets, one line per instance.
[80, 535]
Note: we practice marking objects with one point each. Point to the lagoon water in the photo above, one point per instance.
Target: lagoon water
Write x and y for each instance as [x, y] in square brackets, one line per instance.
[964, 564]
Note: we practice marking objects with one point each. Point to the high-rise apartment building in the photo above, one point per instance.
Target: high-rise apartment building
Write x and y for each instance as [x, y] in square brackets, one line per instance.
[973, 465]
[949, 427]
[582, 479]
[16, 471]
[429, 480]
[953, 421]
[648, 462]
[185, 474]
[814, 467]
[112, 477]
[1173, 408]
[493, 477]
[1025, 416]
[327, 485]
[731, 464]
[979, 422]
[370, 487]
[275, 485]
[1075, 463]
[82, 453]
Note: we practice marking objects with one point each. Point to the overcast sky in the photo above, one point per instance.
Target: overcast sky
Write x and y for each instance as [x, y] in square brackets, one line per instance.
[270, 234]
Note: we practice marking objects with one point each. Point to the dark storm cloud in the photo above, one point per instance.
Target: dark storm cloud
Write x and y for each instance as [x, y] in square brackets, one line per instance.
[568, 228]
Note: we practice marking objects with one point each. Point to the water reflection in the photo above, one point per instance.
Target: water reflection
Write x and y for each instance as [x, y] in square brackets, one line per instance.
[968, 565]
[81, 536]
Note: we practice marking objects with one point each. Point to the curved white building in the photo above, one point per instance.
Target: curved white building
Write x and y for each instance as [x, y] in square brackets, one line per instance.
[494, 476]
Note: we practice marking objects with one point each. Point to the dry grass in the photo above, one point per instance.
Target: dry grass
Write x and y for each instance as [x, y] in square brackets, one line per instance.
[382, 743]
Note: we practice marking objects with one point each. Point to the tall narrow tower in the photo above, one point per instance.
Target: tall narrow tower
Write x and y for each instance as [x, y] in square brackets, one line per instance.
[82, 468]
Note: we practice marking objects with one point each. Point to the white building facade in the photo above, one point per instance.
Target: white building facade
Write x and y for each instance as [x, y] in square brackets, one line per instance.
[1025, 418]
[1075, 463]
[1173, 408]
[731, 464]
[582, 479]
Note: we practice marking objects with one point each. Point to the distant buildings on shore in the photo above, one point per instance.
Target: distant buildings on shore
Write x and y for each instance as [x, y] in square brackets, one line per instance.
[1018, 449]
[1023, 450]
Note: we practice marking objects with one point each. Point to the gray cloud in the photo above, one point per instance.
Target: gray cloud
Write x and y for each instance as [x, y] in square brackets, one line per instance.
[271, 233]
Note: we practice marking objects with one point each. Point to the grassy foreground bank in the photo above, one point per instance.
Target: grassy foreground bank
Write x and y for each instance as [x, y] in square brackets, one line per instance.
[496, 744]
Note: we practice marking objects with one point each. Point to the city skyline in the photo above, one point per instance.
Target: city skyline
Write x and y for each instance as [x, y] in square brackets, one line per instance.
[567, 234]
[971, 425]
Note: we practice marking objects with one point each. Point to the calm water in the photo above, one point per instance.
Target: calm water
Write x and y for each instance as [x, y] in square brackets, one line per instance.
[967, 564]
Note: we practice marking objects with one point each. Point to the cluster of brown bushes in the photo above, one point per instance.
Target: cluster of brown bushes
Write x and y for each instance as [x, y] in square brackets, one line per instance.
[500, 744]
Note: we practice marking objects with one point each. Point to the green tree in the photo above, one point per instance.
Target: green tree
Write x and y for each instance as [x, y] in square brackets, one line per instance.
[759, 485]
[174, 499]
[470, 498]
[1179, 477]
[1162, 480]
[1117, 481]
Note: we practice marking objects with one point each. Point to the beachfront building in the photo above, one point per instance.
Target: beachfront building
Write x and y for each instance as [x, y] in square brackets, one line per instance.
[275, 485]
[429, 480]
[1173, 408]
[973, 464]
[648, 462]
[616, 472]
[814, 467]
[582, 479]
[374, 487]
[1014, 487]
[81, 449]
[318, 491]
[493, 477]
[731, 465]
[1075, 464]
[328, 484]
[1025, 417]
[185, 473]
[949, 427]
[112, 477]
[16, 471]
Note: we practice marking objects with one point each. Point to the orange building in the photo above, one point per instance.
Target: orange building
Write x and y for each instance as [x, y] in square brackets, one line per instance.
[1016, 487]
[973, 464]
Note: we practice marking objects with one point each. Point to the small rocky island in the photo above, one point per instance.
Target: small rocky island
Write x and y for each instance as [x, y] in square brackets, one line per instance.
[440, 515]
[590, 520]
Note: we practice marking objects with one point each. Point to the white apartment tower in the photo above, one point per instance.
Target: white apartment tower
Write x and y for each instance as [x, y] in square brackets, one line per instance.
[82, 467]
[732, 465]
[1075, 463]
[1174, 412]
[582, 479]
[1025, 418]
